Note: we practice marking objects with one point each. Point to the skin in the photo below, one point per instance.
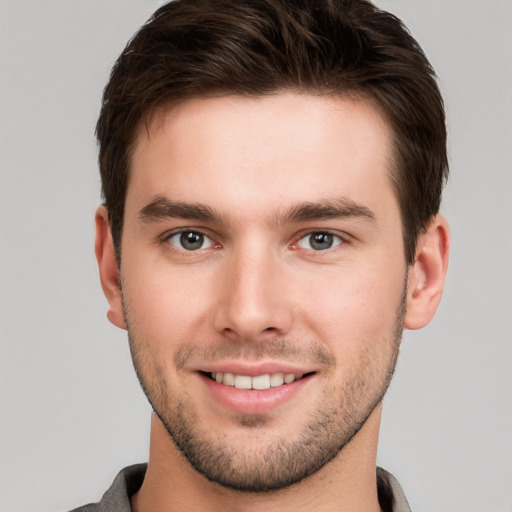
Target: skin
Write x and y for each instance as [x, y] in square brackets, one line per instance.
[257, 294]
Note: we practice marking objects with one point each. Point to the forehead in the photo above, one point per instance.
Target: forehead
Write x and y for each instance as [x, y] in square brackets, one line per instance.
[257, 152]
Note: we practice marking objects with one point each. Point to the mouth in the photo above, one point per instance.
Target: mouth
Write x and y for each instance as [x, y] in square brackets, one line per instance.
[250, 390]
[257, 382]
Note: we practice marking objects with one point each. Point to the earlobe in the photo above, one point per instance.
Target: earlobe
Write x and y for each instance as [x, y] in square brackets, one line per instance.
[427, 274]
[108, 268]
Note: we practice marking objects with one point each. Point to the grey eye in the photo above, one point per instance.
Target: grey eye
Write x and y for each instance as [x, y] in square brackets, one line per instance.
[319, 241]
[190, 240]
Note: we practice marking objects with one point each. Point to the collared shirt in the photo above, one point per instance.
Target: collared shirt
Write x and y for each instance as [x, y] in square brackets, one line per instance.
[129, 481]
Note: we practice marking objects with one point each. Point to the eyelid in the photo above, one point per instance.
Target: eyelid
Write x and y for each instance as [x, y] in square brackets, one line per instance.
[166, 237]
[343, 239]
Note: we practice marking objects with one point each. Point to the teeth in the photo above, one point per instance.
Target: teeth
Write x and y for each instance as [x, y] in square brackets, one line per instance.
[261, 382]
[265, 381]
[289, 378]
[242, 382]
[229, 379]
[277, 379]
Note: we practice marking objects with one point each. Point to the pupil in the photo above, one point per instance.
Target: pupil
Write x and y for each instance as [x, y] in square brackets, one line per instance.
[191, 241]
[321, 241]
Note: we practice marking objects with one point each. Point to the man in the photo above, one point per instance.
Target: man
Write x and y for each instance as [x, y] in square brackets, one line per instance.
[272, 174]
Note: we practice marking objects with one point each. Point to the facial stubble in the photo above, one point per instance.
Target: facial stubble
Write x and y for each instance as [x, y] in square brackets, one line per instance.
[278, 462]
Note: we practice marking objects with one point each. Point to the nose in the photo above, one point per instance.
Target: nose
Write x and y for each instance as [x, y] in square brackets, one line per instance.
[254, 302]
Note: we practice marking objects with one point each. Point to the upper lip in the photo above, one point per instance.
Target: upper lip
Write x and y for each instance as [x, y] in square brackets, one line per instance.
[255, 369]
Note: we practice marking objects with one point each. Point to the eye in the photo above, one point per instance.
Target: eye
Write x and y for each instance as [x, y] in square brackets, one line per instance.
[190, 240]
[319, 241]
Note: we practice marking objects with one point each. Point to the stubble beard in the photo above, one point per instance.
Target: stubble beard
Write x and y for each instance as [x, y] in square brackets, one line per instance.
[278, 462]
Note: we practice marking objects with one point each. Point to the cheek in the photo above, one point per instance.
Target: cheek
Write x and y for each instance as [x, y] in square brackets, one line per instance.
[347, 308]
[165, 305]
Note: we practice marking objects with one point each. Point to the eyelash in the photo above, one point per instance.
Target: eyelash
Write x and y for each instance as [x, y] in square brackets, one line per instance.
[338, 240]
[180, 232]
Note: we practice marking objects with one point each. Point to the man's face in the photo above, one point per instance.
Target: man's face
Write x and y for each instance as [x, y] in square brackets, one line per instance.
[262, 248]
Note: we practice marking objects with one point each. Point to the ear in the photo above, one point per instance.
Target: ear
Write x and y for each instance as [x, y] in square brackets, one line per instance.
[427, 274]
[109, 270]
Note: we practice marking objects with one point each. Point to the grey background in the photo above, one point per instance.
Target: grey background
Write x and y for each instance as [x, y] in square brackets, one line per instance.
[72, 413]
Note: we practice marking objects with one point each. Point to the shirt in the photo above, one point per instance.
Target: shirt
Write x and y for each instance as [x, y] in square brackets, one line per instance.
[129, 481]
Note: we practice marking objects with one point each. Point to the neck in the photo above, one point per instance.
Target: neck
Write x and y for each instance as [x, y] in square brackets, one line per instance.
[347, 483]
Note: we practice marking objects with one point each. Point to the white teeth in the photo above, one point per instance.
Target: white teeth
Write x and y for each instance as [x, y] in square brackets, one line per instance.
[261, 382]
[277, 379]
[243, 382]
[229, 379]
[289, 378]
[265, 381]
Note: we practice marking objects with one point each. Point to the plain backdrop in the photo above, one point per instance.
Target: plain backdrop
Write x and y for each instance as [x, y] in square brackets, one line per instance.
[72, 413]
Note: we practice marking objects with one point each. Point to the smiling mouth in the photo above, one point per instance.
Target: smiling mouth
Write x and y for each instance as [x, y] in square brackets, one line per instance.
[259, 382]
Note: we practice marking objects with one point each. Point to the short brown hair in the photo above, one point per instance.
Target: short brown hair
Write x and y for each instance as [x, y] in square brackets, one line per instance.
[200, 48]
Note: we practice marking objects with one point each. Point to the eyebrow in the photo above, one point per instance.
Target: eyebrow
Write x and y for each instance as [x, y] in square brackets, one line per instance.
[161, 208]
[324, 210]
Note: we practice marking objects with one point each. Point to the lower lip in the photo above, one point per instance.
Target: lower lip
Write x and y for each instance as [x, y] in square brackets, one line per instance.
[253, 401]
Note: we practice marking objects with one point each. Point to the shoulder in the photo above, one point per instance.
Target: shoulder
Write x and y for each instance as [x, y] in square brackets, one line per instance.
[117, 497]
[391, 494]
